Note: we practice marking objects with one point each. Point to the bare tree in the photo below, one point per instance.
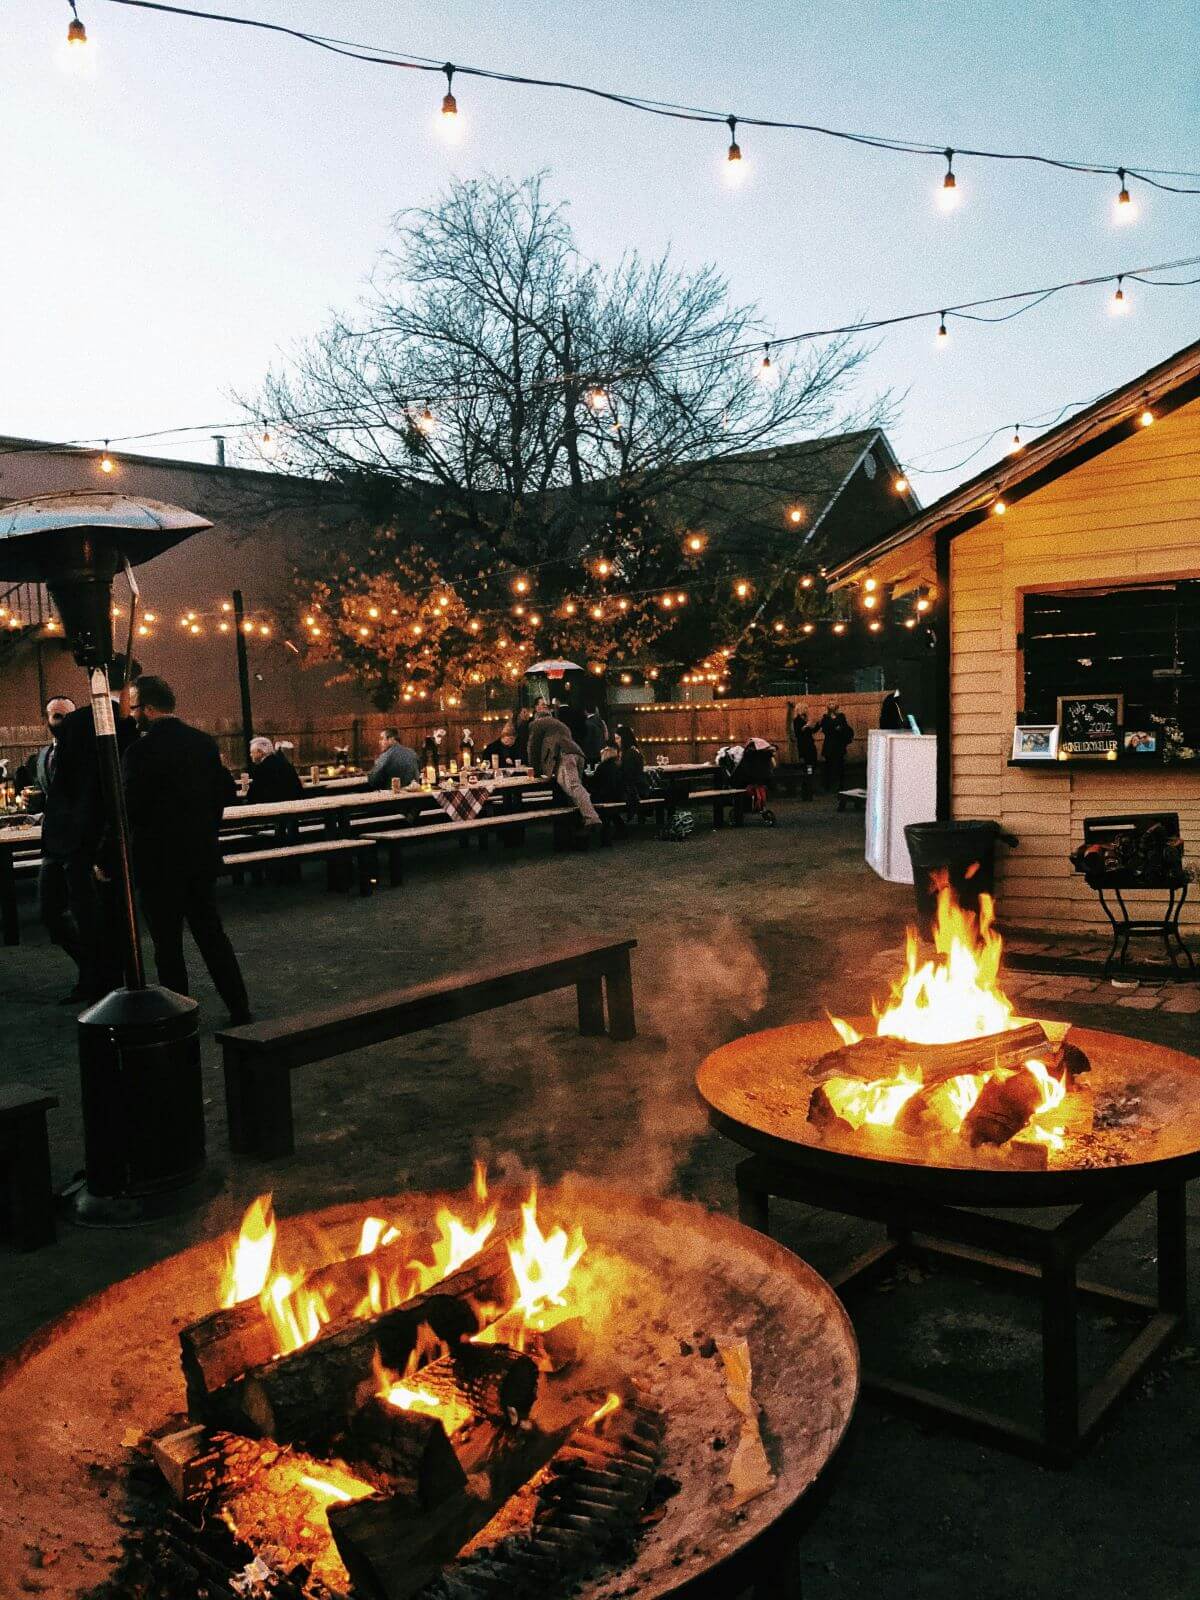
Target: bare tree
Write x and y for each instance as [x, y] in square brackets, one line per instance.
[509, 409]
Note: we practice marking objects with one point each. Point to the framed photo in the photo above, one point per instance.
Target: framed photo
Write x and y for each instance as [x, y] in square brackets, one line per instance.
[1141, 742]
[1037, 742]
[1090, 724]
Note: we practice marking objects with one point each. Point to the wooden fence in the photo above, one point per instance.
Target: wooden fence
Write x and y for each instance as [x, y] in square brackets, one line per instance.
[681, 731]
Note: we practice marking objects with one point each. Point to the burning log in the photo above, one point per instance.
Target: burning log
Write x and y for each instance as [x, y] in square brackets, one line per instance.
[219, 1348]
[190, 1461]
[822, 1115]
[411, 1447]
[1003, 1108]
[879, 1057]
[490, 1380]
[311, 1393]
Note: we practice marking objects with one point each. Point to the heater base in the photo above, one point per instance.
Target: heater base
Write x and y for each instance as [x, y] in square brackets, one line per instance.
[1025, 1257]
[88, 1210]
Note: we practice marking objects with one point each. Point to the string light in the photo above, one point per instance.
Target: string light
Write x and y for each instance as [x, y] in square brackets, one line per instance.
[76, 32]
[195, 628]
[795, 514]
[922, 604]
[765, 371]
[570, 608]
[998, 507]
[596, 399]
[875, 626]
[741, 588]
[735, 165]
[603, 568]
[1119, 304]
[426, 422]
[809, 626]
[596, 613]
[1147, 416]
[1016, 446]
[667, 602]
[695, 543]
[518, 611]
[622, 604]
[222, 627]
[943, 333]
[779, 627]
[948, 195]
[521, 585]
[870, 601]
[1124, 209]
[151, 616]
[449, 122]
[839, 627]
[910, 622]
[806, 581]
[900, 484]
[534, 620]
[871, 585]
[107, 464]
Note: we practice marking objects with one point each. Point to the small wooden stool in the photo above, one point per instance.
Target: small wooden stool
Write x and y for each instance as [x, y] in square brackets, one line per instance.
[26, 1195]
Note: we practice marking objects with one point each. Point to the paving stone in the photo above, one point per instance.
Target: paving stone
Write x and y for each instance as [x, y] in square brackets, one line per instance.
[1049, 987]
[1141, 1001]
[1183, 1000]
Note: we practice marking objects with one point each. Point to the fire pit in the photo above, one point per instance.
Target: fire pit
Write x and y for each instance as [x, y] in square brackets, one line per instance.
[591, 1394]
[947, 1100]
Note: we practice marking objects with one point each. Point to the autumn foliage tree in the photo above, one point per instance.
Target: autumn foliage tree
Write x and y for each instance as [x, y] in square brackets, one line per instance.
[531, 437]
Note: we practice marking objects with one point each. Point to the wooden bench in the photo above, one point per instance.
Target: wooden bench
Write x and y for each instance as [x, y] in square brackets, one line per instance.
[334, 852]
[720, 799]
[616, 811]
[508, 824]
[260, 1058]
[857, 798]
[26, 1194]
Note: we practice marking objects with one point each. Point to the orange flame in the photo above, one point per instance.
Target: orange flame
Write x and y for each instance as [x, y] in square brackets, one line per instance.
[336, 1485]
[248, 1258]
[542, 1264]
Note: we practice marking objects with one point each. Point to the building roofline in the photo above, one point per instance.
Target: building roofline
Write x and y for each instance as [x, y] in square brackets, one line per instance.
[1163, 387]
[11, 444]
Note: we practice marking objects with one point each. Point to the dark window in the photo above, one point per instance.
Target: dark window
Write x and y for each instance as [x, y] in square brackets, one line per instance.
[1142, 641]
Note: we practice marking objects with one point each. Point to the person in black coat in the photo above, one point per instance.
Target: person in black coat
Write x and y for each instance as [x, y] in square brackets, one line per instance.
[272, 775]
[891, 713]
[175, 792]
[837, 735]
[805, 735]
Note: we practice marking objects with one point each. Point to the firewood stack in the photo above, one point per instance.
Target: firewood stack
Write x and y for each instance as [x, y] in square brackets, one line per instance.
[476, 1431]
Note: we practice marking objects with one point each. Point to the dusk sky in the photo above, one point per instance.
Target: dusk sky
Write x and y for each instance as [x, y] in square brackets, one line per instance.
[201, 200]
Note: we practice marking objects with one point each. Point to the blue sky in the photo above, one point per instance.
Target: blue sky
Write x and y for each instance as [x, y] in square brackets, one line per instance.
[204, 196]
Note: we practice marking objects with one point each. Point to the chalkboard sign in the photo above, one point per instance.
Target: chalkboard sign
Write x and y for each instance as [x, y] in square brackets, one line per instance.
[1090, 724]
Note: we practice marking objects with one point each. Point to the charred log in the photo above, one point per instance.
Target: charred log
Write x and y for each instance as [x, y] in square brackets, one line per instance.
[1003, 1108]
[877, 1057]
[490, 1380]
[411, 1447]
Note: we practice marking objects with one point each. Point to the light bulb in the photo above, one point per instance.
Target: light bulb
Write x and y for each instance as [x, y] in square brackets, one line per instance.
[151, 616]
[1119, 304]
[76, 32]
[766, 373]
[521, 585]
[534, 620]
[449, 123]
[870, 585]
[596, 399]
[734, 163]
[195, 628]
[622, 604]
[948, 194]
[1147, 417]
[143, 630]
[795, 514]
[922, 604]
[570, 608]
[596, 613]
[943, 333]
[695, 543]
[667, 602]
[427, 422]
[779, 627]
[900, 484]
[1124, 209]
[372, 611]
[839, 627]
[1016, 446]
[875, 626]
[107, 464]
[268, 447]
[806, 582]
[681, 598]
[603, 568]
[998, 507]
[910, 622]
[741, 588]
[518, 611]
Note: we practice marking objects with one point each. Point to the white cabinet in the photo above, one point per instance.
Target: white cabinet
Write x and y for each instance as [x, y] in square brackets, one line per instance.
[901, 788]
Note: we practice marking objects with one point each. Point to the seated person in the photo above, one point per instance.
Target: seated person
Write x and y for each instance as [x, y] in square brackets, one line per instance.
[504, 747]
[272, 775]
[608, 781]
[395, 760]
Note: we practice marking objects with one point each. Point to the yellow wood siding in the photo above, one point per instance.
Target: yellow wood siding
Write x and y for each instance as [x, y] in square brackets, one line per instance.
[1129, 514]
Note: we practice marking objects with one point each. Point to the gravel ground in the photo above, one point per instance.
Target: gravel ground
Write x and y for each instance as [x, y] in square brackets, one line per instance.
[736, 929]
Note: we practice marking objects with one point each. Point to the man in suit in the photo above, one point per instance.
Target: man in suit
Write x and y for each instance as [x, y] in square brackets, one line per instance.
[175, 792]
[54, 898]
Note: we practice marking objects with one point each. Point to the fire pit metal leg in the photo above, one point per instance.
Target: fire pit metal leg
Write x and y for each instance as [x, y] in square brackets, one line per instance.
[1026, 1257]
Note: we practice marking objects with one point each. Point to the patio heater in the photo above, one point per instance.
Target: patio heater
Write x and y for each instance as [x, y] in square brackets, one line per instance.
[139, 1047]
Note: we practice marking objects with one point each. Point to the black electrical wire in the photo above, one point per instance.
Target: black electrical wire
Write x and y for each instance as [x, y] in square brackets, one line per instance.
[1153, 176]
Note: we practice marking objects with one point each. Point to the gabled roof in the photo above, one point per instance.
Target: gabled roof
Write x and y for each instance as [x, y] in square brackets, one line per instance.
[1172, 383]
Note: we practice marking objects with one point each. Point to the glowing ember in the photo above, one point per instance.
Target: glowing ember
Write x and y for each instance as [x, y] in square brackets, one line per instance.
[248, 1261]
[542, 1264]
[406, 1399]
[344, 1489]
[606, 1410]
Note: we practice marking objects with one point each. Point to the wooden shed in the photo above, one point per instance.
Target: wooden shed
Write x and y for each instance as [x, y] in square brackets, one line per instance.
[1065, 581]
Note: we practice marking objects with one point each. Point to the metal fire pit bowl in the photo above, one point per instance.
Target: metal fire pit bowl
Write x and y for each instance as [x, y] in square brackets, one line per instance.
[757, 1089]
[110, 1368]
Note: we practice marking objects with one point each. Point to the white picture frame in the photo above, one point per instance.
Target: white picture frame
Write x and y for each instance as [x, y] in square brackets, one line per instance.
[1035, 742]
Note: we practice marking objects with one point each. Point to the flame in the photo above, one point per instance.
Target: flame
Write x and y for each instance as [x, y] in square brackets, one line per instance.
[954, 996]
[248, 1259]
[481, 1185]
[375, 1232]
[605, 1410]
[297, 1312]
[542, 1264]
[406, 1399]
[877, 1103]
[346, 1488]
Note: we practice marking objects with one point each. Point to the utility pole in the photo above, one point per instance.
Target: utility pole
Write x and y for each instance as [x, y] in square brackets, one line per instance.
[239, 617]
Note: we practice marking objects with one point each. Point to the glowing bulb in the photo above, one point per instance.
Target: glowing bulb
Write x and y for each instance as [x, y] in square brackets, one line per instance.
[998, 507]
[948, 194]
[839, 627]
[1124, 209]
[806, 582]
[596, 399]
[570, 608]
[943, 333]
[654, 672]
[597, 668]
[1016, 446]
[222, 627]
[809, 626]
[518, 611]
[695, 543]
[107, 464]
[449, 123]
[603, 568]
[521, 585]
[191, 616]
[1119, 304]
[534, 620]
[372, 611]
[779, 627]
[268, 447]
[426, 422]
[795, 514]
[473, 626]
[900, 484]
[667, 602]
[741, 588]
[765, 371]
[922, 604]
[76, 32]
[195, 628]
[875, 625]
[681, 598]
[1146, 418]
[417, 630]
[596, 613]
[870, 601]
[247, 627]
[622, 604]
[143, 630]
[363, 631]
[870, 585]
[910, 622]
[735, 165]
[151, 616]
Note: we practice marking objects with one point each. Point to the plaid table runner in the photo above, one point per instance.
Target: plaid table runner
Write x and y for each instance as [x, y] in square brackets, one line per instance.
[463, 804]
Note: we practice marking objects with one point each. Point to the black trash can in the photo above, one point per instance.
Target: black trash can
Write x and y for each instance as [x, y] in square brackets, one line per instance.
[962, 854]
